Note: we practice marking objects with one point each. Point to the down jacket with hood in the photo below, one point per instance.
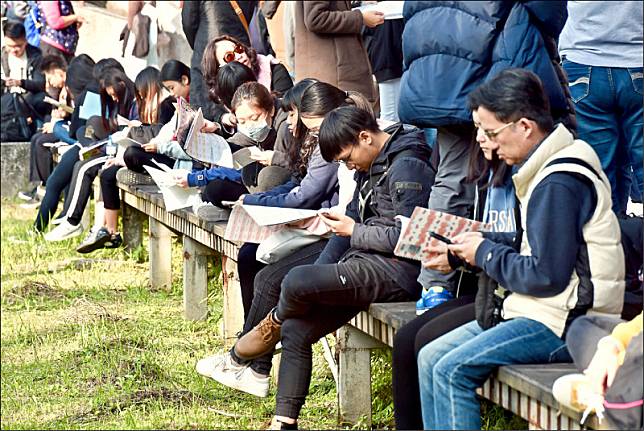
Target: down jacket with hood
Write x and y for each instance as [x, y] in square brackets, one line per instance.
[451, 47]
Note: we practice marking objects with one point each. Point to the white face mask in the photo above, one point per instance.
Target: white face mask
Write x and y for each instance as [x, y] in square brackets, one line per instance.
[257, 131]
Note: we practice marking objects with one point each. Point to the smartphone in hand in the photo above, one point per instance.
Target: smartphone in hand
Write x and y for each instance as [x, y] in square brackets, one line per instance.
[440, 237]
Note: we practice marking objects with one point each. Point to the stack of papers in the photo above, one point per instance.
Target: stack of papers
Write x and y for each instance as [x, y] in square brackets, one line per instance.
[174, 196]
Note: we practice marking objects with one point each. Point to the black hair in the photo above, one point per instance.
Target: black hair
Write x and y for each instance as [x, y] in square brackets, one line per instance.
[14, 30]
[124, 89]
[321, 97]
[148, 94]
[229, 77]
[173, 70]
[105, 64]
[514, 94]
[479, 167]
[51, 62]
[341, 127]
[79, 74]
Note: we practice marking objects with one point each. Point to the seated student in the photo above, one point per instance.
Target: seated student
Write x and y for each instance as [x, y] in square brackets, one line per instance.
[20, 67]
[254, 108]
[162, 147]
[226, 49]
[393, 172]
[609, 352]
[175, 76]
[261, 284]
[494, 204]
[80, 82]
[119, 96]
[40, 158]
[568, 260]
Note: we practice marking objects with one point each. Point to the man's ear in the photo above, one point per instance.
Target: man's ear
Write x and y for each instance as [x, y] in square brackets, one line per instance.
[185, 80]
[526, 127]
[365, 137]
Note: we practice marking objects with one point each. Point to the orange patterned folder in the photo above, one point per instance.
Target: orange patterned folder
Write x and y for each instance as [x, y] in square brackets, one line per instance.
[415, 239]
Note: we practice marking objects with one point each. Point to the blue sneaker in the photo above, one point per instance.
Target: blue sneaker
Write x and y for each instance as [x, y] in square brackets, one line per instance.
[432, 297]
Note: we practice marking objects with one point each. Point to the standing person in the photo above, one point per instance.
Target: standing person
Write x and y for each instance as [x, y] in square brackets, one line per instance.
[601, 46]
[328, 45]
[385, 53]
[563, 194]
[443, 66]
[202, 22]
[135, 63]
[59, 34]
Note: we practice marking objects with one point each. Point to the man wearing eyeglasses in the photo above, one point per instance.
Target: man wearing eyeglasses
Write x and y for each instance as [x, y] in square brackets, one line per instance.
[569, 260]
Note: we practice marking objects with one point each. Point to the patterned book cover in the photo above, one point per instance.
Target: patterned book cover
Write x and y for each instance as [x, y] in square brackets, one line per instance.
[241, 227]
[415, 239]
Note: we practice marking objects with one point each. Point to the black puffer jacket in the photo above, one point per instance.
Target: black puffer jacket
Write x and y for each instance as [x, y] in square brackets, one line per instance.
[400, 179]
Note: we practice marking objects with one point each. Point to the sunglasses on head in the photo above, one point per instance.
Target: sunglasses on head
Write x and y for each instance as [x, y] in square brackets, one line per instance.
[230, 55]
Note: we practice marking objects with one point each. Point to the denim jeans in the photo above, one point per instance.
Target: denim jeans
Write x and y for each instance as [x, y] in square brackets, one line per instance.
[608, 104]
[453, 366]
[389, 96]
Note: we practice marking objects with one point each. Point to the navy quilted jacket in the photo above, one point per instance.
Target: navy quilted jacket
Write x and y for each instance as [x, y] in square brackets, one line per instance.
[451, 47]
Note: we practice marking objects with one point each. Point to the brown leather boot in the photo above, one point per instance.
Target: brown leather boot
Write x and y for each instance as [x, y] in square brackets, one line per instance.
[259, 340]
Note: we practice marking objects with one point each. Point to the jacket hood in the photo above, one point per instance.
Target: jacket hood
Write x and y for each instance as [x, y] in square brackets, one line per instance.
[404, 140]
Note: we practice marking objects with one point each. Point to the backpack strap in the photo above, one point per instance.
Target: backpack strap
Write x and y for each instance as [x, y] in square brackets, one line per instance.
[240, 15]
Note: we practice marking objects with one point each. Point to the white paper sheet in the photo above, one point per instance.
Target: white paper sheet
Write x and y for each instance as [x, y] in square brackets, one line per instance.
[207, 147]
[271, 216]
[392, 9]
[174, 197]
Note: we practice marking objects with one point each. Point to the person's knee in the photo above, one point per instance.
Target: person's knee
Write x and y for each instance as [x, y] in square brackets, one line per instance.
[294, 283]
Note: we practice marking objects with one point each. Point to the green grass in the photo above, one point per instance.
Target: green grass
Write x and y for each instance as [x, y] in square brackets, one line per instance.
[87, 344]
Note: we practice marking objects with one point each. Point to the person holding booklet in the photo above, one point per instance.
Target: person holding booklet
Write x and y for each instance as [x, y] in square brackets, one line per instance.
[393, 177]
[494, 204]
[314, 185]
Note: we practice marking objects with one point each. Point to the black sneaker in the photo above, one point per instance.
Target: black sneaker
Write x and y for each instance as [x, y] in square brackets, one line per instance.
[99, 239]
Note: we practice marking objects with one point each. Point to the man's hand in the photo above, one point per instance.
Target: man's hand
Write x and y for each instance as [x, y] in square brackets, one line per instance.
[149, 147]
[209, 126]
[372, 18]
[464, 245]
[341, 225]
[440, 262]
[10, 82]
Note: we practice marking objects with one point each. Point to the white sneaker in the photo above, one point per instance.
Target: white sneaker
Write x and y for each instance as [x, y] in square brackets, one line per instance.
[209, 212]
[58, 220]
[224, 370]
[64, 231]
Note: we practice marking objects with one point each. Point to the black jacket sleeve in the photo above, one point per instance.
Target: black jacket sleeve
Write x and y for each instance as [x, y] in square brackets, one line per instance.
[281, 81]
[190, 20]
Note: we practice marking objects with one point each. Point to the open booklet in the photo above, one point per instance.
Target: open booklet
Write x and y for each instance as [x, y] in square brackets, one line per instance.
[255, 223]
[92, 151]
[415, 237]
[174, 196]
[58, 104]
[206, 147]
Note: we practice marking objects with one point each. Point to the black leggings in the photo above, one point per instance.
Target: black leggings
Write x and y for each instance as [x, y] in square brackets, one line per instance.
[407, 343]
[109, 190]
[317, 300]
[217, 191]
[267, 284]
[136, 157]
[80, 188]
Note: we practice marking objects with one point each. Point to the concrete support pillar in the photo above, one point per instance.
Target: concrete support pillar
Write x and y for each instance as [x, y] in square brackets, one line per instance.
[160, 255]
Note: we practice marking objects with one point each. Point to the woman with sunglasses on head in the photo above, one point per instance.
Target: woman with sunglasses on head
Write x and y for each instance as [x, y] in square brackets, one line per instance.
[314, 185]
[226, 49]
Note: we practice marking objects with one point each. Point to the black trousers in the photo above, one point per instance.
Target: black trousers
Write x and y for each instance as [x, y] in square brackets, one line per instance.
[267, 287]
[407, 343]
[80, 189]
[41, 162]
[109, 190]
[136, 157]
[248, 267]
[317, 300]
[217, 191]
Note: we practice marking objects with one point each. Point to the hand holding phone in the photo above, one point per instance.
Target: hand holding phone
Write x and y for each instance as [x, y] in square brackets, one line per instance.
[440, 237]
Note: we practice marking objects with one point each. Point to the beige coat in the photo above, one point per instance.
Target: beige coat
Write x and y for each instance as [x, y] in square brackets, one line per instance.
[328, 46]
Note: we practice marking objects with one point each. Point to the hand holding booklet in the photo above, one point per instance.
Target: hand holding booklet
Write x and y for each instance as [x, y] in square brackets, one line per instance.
[206, 147]
[427, 228]
[174, 197]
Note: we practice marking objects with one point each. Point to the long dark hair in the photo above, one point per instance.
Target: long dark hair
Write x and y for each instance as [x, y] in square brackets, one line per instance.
[291, 101]
[318, 99]
[79, 74]
[148, 94]
[173, 70]
[210, 65]
[478, 169]
[230, 77]
[125, 91]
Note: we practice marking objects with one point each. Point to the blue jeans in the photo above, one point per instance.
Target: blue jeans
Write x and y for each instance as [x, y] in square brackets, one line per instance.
[451, 367]
[608, 104]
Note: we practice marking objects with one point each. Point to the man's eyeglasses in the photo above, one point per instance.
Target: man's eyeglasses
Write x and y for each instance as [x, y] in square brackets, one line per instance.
[345, 160]
[492, 134]
[230, 55]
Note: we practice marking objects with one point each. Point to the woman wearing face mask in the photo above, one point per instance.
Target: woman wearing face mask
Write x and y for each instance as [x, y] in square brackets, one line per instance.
[255, 108]
[226, 49]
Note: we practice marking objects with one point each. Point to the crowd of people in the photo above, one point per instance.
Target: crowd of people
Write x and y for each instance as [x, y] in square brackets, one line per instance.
[526, 116]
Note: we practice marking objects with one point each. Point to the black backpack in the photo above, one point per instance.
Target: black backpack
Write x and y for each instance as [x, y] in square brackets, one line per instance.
[14, 124]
